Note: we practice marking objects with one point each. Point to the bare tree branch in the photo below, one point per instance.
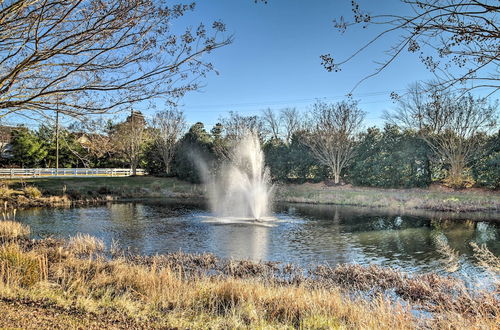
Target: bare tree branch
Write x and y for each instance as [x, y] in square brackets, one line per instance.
[272, 123]
[334, 128]
[457, 40]
[291, 122]
[168, 128]
[95, 56]
[450, 124]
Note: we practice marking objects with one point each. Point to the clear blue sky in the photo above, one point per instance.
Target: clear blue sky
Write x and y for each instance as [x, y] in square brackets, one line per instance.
[274, 60]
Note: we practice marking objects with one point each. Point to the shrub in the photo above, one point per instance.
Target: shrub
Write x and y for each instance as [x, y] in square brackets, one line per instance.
[5, 191]
[32, 192]
[391, 158]
[459, 181]
[10, 230]
[487, 171]
[104, 190]
[21, 268]
[74, 194]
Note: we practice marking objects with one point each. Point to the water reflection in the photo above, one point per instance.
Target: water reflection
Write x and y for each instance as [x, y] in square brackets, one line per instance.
[306, 234]
[240, 241]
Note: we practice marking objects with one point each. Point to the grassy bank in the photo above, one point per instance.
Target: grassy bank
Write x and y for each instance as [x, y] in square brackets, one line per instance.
[83, 190]
[434, 199]
[80, 283]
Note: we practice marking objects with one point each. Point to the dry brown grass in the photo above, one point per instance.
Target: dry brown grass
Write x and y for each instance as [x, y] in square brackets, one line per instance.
[201, 291]
[486, 258]
[18, 268]
[416, 198]
[84, 244]
[5, 191]
[32, 192]
[10, 230]
[451, 256]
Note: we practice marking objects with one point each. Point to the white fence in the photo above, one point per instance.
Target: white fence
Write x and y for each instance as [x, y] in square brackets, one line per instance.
[44, 172]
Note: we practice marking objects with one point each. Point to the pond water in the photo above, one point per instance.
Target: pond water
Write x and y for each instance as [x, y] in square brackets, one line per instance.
[302, 234]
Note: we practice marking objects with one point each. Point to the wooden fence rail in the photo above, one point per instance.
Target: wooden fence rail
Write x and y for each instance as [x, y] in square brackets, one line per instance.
[45, 172]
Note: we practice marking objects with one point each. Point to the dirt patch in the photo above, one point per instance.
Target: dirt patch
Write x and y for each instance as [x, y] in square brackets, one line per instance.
[29, 314]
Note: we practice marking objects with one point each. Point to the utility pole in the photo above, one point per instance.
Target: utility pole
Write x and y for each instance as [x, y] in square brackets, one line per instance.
[57, 137]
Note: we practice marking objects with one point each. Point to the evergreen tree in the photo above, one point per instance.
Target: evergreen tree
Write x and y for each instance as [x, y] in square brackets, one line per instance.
[391, 158]
[195, 146]
[28, 150]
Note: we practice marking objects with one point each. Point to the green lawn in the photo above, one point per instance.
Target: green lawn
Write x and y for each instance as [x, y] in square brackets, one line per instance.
[139, 186]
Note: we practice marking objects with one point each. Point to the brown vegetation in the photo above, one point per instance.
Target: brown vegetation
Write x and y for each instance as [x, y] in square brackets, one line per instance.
[10, 230]
[203, 291]
[81, 191]
[399, 199]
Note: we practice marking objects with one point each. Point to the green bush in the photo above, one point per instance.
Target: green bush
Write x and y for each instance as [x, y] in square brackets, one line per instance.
[194, 147]
[487, 171]
[391, 159]
[486, 168]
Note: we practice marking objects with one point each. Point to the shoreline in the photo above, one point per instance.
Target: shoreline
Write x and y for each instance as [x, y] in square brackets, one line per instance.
[433, 200]
[76, 281]
[477, 214]
[88, 191]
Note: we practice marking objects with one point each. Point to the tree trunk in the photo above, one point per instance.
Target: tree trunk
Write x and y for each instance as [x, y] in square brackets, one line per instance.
[336, 178]
[455, 177]
[134, 168]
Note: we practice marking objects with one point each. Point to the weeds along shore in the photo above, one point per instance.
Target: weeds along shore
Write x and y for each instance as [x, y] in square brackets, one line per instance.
[444, 200]
[56, 192]
[81, 280]
[48, 192]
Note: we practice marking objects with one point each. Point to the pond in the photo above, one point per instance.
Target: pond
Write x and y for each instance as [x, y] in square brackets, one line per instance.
[302, 234]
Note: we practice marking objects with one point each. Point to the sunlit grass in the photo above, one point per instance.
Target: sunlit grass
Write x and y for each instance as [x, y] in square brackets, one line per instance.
[10, 230]
[455, 201]
[84, 244]
[101, 188]
[83, 187]
[202, 291]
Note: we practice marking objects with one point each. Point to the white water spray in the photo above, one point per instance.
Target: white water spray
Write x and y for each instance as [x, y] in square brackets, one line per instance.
[241, 188]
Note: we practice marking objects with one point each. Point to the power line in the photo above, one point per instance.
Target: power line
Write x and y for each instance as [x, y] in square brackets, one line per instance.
[249, 104]
[260, 109]
[261, 105]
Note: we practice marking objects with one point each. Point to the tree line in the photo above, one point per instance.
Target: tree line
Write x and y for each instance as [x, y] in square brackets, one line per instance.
[431, 136]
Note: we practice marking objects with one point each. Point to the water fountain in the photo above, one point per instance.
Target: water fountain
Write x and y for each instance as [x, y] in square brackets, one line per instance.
[240, 189]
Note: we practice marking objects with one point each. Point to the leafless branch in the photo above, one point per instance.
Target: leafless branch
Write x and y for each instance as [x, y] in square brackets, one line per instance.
[94, 56]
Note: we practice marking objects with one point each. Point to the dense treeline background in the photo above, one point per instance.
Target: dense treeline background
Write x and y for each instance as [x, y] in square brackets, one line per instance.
[460, 149]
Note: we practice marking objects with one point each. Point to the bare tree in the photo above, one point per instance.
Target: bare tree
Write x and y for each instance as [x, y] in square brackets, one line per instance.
[130, 138]
[334, 128]
[290, 119]
[450, 124]
[272, 123]
[94, 137]
[237, 126]
[93, 56]
[455, 39]
[168, 127]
